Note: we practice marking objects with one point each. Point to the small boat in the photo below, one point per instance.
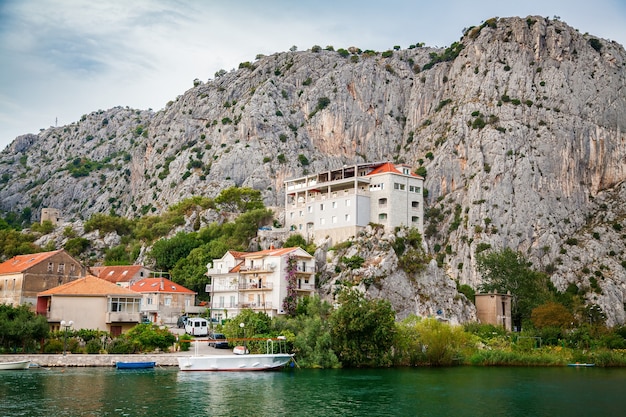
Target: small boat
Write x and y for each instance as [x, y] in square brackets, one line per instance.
[233, 362]
[581, 365]
[134, 365]
[14, 365]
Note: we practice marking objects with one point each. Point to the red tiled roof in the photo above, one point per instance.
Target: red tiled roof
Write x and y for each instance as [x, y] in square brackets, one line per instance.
[161, 285]
[270, 252]
[115, 274]
[89, 286]
[21, 263]
[389, 167]
[384, 168]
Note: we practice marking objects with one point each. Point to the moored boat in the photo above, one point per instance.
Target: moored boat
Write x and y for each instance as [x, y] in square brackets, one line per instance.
[134, 365]
[14, 365]
[581, 365]
[233, 362]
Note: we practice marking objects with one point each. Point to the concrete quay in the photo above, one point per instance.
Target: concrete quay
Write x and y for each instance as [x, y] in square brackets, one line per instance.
[198, 347]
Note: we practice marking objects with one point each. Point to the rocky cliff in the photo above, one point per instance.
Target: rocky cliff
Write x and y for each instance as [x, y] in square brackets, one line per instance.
[519, 128]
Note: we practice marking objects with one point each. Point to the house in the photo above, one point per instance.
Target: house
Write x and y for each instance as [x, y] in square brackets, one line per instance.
[123, 275]
[91, 303]
[24, 276]
[258, 280]
[163, 301]
[341, 202]
[494, 308]
[51, 214]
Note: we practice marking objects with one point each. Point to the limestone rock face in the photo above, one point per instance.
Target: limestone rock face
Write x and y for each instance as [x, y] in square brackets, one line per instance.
[519, 128]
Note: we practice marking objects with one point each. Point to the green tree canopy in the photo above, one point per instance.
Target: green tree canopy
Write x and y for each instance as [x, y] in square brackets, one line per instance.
[239, 200]
[21, 328]
[362, 330]
[507, 270]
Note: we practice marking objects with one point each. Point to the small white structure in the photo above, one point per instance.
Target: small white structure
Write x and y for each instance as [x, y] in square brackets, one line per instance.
[341, 202]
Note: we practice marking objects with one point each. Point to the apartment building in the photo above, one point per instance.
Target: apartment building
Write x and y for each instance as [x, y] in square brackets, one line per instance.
[341, 202]
[257, 281]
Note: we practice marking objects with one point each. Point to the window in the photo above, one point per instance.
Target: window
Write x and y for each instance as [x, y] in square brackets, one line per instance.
[415, 219]
[382, 216]
[310, 209]
[398, 186]
[61, 268]
[347, 217]
[168, 301]
[382, 202]
[300, 226]
[415, 204]
[291, 214]
[414, 189]
[301, 213]
[334, 204]
[233, 302]
[149, 301]
[124, 305]
[322, 221]
[334, 219]
[322, 207]
[72, 268]
[406, 171]
[50, 266]
[348, 203]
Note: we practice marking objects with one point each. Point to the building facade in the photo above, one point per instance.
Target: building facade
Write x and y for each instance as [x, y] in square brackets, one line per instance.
[91, 303]
[339, 203]
[257, 281]
[163, 301]
[24, 276]
[494, 308]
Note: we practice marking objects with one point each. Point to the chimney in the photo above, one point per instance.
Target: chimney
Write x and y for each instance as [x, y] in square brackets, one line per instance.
[162, 285]
[272, 247]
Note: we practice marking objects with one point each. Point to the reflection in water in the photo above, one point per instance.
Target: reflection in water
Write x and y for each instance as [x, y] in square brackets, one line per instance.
[463, 391]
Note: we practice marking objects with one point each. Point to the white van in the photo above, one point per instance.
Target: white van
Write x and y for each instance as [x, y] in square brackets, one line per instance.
[196, 326]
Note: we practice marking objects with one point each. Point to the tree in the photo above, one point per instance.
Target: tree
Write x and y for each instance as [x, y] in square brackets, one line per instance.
[507, 270]
[21, 328]
[239, 200]
[551, 314]
[362, 330]
[167, 252]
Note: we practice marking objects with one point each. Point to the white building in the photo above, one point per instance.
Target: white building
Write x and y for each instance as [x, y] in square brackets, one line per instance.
[257, 281]
[339, 203]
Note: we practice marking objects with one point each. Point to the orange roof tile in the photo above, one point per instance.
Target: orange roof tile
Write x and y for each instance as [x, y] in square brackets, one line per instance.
[383, 168]
[270, 252]
[89, 286]
[122, 273]
[21, 263]
[161, 285]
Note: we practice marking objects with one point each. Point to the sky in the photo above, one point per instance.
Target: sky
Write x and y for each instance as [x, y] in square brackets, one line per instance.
[60, 59]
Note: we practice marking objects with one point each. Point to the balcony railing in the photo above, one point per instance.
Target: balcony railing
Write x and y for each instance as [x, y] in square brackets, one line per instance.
[256, 306]
[122, 317]
[261, 268]
[223, 288]
[306, 287]
[256, 286]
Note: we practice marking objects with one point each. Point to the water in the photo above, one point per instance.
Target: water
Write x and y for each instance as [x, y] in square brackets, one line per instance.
[462, 391]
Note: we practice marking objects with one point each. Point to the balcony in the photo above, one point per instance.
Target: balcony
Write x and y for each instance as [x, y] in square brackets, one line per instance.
[267, 305]
[246, 269]
[122, 317]
[255, 286]
[306, 287]
[223, 288]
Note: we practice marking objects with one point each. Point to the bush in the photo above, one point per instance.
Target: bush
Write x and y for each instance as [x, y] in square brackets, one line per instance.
[53, 346]
[93, 346]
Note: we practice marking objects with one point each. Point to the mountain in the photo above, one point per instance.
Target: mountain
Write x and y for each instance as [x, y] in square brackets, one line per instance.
[518, 129]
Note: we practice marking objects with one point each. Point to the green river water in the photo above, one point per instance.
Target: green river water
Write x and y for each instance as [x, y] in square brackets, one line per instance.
[461, 391]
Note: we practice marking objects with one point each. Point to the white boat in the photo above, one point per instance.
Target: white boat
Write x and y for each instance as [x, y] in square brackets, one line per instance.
[234, 362]
[14, 365]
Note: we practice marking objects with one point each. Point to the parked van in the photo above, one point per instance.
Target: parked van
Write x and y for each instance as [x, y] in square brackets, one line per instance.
[196, 326]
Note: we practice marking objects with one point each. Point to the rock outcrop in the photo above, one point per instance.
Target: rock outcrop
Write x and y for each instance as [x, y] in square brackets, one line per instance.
[518, 128]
